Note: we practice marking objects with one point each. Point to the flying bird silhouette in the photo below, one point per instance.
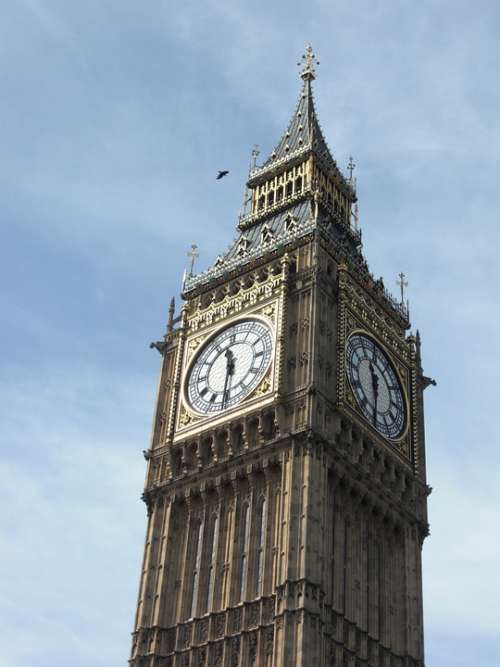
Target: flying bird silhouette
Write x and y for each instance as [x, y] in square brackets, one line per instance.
[221, 174]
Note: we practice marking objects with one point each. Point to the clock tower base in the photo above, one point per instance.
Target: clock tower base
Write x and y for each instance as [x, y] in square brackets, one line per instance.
[332, 579]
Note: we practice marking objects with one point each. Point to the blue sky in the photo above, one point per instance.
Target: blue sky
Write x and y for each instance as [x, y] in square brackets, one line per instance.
[115, 117]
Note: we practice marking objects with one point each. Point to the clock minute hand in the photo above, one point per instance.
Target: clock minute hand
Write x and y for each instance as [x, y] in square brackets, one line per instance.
[375, 391]
[229, 373]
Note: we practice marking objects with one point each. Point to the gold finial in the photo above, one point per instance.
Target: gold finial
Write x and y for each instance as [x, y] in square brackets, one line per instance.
[308, 61]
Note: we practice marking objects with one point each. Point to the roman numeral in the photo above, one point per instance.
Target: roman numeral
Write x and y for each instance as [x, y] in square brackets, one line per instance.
[203, 391]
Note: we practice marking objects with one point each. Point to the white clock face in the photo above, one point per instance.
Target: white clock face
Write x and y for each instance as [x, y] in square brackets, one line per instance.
[229, 366]
[375, 385]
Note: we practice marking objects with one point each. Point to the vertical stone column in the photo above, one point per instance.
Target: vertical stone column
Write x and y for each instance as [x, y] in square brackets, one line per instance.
[177, 377]
[144, 570]
[151, 562]
[163, 564]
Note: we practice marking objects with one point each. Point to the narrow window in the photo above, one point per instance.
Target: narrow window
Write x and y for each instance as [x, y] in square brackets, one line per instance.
[214, 538]
[298, 184]
[261, 541]
[270, 198]
[289, 189]
[279, 193]
[245, 534]
[261, 202]
[197, 543]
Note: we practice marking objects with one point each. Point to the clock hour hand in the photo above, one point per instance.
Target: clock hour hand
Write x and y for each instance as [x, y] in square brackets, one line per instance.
[375, 391]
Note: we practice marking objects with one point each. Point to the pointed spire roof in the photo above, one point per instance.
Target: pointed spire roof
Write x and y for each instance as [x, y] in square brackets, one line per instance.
[303, 132]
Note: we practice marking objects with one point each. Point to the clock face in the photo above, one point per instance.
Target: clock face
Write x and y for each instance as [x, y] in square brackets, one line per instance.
[229, 366]
[375, 385]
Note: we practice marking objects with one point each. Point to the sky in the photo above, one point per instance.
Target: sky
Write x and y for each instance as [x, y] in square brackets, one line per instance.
[115, 118]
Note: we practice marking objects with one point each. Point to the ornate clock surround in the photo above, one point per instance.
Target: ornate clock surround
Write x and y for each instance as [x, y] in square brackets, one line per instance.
[358, 312]
[260, 296]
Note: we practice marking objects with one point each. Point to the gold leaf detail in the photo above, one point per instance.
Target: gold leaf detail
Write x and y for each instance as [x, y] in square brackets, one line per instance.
[269, 311]
[264, 387]
[185, 418]
[193, 344]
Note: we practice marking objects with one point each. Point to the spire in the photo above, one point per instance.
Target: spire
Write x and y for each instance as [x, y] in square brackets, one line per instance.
[303, 132]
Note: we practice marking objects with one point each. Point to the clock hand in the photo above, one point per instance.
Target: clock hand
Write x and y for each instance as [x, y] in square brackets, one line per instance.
[375, 392]
[229, 374]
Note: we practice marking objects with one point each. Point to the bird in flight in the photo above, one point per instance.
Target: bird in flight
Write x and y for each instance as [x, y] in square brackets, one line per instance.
[221, 174]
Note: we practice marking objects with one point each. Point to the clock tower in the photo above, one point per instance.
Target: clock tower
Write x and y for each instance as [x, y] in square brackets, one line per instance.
[286, 488]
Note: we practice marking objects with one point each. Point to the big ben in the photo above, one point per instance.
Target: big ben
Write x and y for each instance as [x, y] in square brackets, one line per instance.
[286, 483]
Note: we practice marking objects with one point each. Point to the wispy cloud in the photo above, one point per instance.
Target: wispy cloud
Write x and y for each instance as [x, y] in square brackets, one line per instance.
[114, 122]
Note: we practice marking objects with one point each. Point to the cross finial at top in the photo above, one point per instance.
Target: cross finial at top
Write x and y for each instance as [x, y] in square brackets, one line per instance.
[351, 167]
[193, 254]
[402, 283]
[255, 155]
[308, 72]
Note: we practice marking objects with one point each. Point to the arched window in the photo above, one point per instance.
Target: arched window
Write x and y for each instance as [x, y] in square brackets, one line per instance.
[214, 542]
[261, 543]
[245, 543]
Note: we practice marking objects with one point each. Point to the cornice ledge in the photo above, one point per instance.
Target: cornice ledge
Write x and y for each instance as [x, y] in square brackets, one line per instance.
[234, 266]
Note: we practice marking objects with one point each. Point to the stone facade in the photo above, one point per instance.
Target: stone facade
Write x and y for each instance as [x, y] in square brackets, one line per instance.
[286, 531]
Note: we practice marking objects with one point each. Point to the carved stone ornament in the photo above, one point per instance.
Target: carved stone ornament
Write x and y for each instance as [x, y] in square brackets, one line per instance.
[236, 619]
[218, 654]
[233, 304]
[263, 387]
[269, 640]
[201, 657]
[185, 417]
[268, 610]
[193, 345]
[203, 630]
[219, 623]
[185, 636]
[253, 614]
[270, 311]
[235, 651]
